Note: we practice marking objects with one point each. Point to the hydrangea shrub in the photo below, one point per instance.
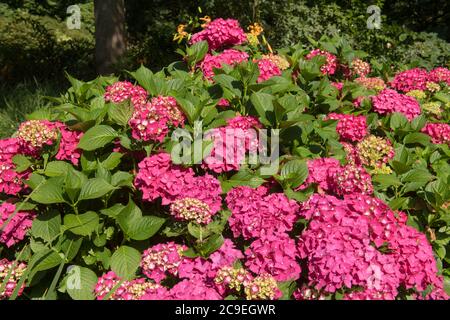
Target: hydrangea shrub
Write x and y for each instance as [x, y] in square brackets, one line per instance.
[95, 206]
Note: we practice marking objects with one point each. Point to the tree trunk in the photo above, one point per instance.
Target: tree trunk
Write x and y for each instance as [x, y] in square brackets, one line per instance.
[110, 38]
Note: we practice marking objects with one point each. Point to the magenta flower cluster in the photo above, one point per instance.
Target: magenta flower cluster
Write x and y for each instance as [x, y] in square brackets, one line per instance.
[220, 33]
[229, 57]
[267, 69]
[151, 122]
[124, 90]
[389, 101]
[343, 246]
[15, 272]
[439, 132]
[331, 65]
[256, 214]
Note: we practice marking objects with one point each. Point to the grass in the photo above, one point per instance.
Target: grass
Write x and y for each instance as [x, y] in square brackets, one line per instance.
[21, 99]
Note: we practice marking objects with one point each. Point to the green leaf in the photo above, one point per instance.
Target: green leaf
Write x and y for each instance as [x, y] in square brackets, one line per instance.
[113, 211]
[122, 179]
[57, 168]
[120, 113]
[80, 283]
[417, 137]
[242, 178]
[51, 191]
[197, 52]
[43, 260]
[418, 175]
[95, 188]
[386, 180]
[398, 120]
[125, 262]
[212, 244]
[295, 171]
[136, 226]
[263, 104]
[97, 137]
[46, 226]
[82, 224]
[149, 81]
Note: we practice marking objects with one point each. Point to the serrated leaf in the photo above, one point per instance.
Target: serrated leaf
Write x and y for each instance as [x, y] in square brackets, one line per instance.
[46, 226]
[97, 137]
[112, 161]
[80, 283]
[95, 188]
[49, 192]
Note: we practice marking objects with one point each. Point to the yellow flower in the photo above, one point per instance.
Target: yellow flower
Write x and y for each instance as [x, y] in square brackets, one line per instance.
[181, 33]
[206, 20]
[255, 29]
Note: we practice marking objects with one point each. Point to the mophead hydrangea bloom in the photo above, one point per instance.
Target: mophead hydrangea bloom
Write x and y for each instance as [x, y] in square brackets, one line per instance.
[256, 214]
[338, 85]
[16, 273]
[321, 171]
[220, 33]
[413, 79]
[162, 259]
[11, 182]
[229, 57]
[359, 68]
[68, 145]
[158, 177]
[15, 230]
[372, 83]
[194, 290]
[389, 101]
[206, 269]
[440, 74]
[125, 90]
[128, 290]
[207, 189]
[439, 132]
[267, 69]
[263, 287]
[233, 279]
[151, 122]
[329, 68]
[33, 135]
[344, 243]
[275, 255]
[191, 209]
[350, 127]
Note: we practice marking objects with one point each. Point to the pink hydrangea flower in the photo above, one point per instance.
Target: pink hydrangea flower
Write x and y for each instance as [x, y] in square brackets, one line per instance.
[18, 226]
[439, 132]
[275, 255]
[267, 69]
[359, 68]
[125, 90]
[330, 66]
[206, 269]
[11, 182]
[338, 85]
[158, 177]
[194, 290]
[16, 274]
[263, 287]
[207, 189]
[220, 33]
[440, 75]
[352, 178]
[33, 135]
[68, 145]
[128, 290]
[231, 142]
[350, 127]
[191, 209]
[321, 172]
[389, 101]
[256, 213]
[341, 246]
[151, 122]
[371, 83]
[229, 57]
[162, 259]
